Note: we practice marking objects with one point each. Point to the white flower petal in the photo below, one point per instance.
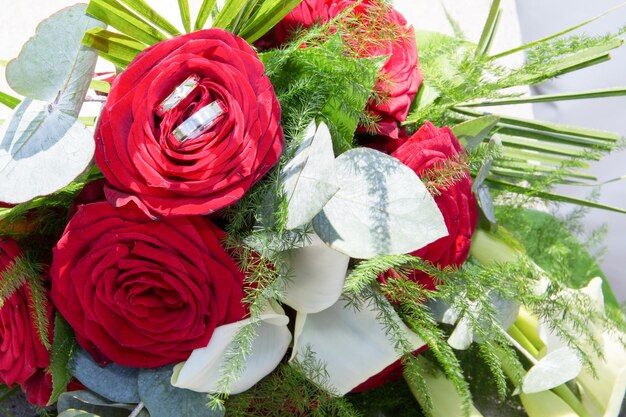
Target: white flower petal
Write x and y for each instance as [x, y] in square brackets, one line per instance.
[202, 371]
[352, 344]
[556, 368]
[319, 273]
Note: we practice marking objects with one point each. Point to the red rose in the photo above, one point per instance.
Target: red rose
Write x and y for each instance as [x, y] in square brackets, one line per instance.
[23, 358]
[138, 153]
[427, 150]
[399, 78]
[143, 293]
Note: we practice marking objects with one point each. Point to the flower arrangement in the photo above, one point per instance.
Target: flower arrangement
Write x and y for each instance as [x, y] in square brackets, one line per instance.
[296, 208]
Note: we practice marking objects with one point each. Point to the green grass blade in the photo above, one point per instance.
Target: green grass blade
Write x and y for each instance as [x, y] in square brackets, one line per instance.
[144, 10]
[549, 98]
[548, 126]
[472, 132]
[550, 196]
[266, 17]
[9, 100]
[185, 16]
[114, 45]
[544, 147]
[204, 13]
[555, 137]
[556, 35]
[489, 29]
[519, 154]
[525, 167]
[114, 14]
[228, 15]
[100, 86]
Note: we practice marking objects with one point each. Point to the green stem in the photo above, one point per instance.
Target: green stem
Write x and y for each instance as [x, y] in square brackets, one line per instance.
[521, 338]
[570, 399]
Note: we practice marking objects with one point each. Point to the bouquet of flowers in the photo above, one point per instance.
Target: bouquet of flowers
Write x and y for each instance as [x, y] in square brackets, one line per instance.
[283, 212]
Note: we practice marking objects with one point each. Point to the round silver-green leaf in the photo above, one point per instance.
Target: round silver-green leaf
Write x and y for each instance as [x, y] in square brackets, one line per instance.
[381, 208]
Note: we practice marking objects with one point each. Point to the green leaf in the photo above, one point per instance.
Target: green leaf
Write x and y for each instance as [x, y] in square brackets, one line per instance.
[550, 196]
[472, 132]
[549, 98]
[489, 30]
[556, 35]
[307, 179]
[204, 13]
[144, 10]
[63, 345]
[113, 45]
[266, 17]
[31, 75]
[113, 382]
[381, 208]
[9, 100]
[164, 400]
[114, 14]
[44, 147]
[185, 16]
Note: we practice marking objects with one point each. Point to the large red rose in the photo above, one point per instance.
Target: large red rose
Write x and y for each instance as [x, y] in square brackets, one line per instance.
[399, 78]
[138, 153]
[428, 149]
[143, 293]
[23, 358]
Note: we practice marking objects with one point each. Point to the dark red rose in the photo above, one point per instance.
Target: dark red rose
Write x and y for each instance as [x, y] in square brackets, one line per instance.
[399, 78]
[23, 358]
[140, 157]
[428, 149]
[143, 293]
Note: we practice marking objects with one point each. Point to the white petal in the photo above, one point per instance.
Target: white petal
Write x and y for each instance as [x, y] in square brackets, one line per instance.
[319, 273]
[351, 344]
[462, 336]
[607, 391]
[554, 369]
[202, 371]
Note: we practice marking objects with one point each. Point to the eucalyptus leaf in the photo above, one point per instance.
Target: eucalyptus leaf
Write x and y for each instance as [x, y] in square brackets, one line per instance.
[472, 132]
[164, 400]
[114, 382]
[76, 413]
[381, 208]
[57, 40]
[308, 179]
[554, 369]
[92, 404]
[42, 149]
[42, 146]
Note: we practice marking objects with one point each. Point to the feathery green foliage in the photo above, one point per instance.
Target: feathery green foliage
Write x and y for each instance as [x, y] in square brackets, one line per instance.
[288, 392]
